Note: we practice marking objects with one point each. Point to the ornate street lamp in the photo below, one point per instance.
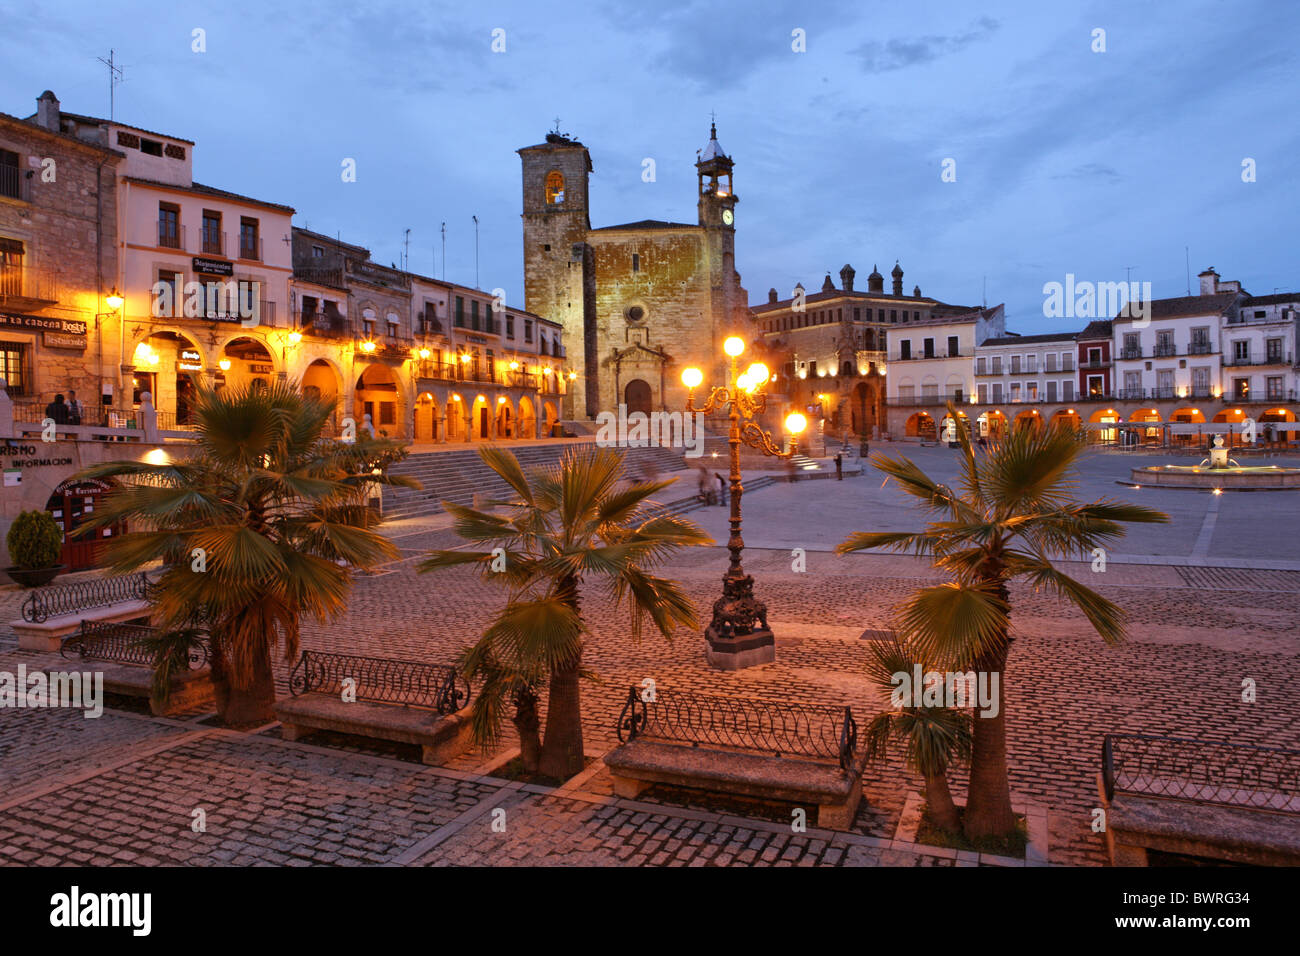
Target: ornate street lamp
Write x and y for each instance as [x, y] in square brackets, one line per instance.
[738, 635]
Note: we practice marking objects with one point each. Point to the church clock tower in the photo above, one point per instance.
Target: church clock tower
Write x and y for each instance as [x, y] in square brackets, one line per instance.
[717, 200]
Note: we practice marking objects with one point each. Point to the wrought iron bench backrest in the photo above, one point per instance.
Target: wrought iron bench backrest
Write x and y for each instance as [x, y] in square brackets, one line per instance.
[121, 643]
[381, 680]
[44, 603]
[776, 727]
[1266, 778]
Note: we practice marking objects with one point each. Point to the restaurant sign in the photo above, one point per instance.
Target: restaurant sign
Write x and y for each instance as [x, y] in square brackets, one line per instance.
[190, 361]
[57, 340]
[41, 323]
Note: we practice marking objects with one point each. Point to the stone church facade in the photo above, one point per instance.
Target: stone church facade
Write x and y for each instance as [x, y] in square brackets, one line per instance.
[640, 301]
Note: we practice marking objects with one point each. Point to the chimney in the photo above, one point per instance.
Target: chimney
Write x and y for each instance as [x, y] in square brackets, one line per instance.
[47, 111]
[897, 273]
[1209, 281]
[772, 296]
[846, 277]
[875, 281]
[828, 285]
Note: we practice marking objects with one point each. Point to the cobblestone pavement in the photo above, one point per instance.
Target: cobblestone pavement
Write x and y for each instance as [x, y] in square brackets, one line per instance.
[124, 787]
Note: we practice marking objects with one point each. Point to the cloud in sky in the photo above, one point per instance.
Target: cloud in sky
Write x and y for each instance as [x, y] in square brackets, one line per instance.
[1067, 160]
[901, 52]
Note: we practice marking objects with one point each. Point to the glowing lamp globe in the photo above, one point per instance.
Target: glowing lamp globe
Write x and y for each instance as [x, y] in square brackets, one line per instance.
[745, 383]
[692, 377]
[733, 346]
[295, 338]
[424, 353]
[758, 373]
[114, 300]
[795, 423]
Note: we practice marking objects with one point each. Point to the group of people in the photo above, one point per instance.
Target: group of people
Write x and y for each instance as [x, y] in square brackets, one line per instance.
[65, 412]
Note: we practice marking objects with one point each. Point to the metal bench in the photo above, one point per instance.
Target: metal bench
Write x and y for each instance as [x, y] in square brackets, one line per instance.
[1201, 799]
[770, 750]
[51, 614]
[404, 701]
[119, 652]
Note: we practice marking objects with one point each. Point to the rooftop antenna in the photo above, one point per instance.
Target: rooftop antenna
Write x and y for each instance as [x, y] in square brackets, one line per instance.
[406, 265]
[444, 251]
[1187, 258]
[984, 296]
[475, 218]
[114, 78]
[1128, 275]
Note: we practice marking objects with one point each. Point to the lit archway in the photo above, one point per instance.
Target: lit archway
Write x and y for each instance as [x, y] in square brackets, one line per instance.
[1029, 418]
[427, 413]
[1103, 422]
[456, 418]
[552, 418]
[1066, 418]
[527, 418]
[920, 425]
[378, 395]
[168, 366]
[480, 419]
[505, 418]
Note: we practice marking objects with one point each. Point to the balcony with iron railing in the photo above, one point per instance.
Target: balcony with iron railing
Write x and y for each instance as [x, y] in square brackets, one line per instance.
[1130, 353]
[212, 243]
[1200, 348]
[27, 287]
[322, 324]
[16, 183]
[1274, 359]
[1164, 351]
[333, 278]
[250, 248]
[170, 235]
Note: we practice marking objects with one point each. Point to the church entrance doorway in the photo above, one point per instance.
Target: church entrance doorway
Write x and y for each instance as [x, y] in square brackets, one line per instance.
[636, 395]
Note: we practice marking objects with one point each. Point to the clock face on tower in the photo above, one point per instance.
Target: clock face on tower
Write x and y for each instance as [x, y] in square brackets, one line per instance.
[728, 217]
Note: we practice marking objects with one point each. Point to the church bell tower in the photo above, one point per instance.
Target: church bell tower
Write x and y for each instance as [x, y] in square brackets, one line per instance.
[717, 203]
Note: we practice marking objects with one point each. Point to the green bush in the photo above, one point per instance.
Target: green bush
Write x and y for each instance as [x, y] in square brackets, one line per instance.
[35, 541]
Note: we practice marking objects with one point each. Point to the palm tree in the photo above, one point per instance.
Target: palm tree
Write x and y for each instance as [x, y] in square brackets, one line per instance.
[1014, 511]
[564, 523]
[932, 737]
[261, 524]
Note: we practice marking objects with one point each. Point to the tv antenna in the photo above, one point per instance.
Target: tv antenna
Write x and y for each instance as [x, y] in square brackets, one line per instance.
[406, 254]
[114, 78]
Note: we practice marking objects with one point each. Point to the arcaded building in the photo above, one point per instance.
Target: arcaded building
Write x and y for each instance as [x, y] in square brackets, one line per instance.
[639, 301]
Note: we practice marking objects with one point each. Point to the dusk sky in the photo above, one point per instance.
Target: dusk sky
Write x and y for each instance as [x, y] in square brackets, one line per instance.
[1067, 160]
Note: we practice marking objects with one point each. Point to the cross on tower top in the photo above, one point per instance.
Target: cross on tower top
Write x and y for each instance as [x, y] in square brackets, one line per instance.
[557, 124]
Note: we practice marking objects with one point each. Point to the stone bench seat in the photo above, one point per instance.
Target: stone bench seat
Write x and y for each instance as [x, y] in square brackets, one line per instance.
[408, 702]
[1201, 799]
[643, 762]
[191, 690]
[1138, 824]
[440, 736]
[116, 650]
[48, 635]
[780, 751]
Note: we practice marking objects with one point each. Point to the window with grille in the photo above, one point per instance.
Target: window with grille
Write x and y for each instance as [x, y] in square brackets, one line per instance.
[13, 367]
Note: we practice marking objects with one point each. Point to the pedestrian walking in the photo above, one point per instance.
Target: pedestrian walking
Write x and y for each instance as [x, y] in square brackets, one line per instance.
[74, 408]
[839, 467]
[722, 489]
[57, 410]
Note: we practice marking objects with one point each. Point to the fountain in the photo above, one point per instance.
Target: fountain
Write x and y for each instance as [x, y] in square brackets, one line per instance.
[1218, 456]
[1218, 473]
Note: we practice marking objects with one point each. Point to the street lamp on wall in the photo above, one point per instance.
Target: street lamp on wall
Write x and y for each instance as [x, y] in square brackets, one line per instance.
[738, 635]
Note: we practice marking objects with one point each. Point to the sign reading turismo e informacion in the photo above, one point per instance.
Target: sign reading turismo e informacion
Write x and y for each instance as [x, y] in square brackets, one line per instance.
[59, 333]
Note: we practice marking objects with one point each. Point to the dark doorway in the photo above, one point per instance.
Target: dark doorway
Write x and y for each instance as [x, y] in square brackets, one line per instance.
[69, 505]
[636, 395]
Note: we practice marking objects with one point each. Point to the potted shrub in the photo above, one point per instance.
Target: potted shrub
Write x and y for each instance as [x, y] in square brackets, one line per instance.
[35, 542]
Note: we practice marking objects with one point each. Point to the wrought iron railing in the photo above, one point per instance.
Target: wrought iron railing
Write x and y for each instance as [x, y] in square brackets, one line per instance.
[1265, 778]
[382, 680]
[775, 727]
[123, 644]
[44, 603]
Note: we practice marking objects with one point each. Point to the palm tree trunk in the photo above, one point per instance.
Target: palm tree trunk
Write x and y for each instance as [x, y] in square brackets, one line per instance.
[988, 807]
[527, 724]
[562, 753]
[938, 803]
[244, 706]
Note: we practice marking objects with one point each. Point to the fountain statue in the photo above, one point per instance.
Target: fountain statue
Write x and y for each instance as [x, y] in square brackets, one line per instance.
[1218, 456]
